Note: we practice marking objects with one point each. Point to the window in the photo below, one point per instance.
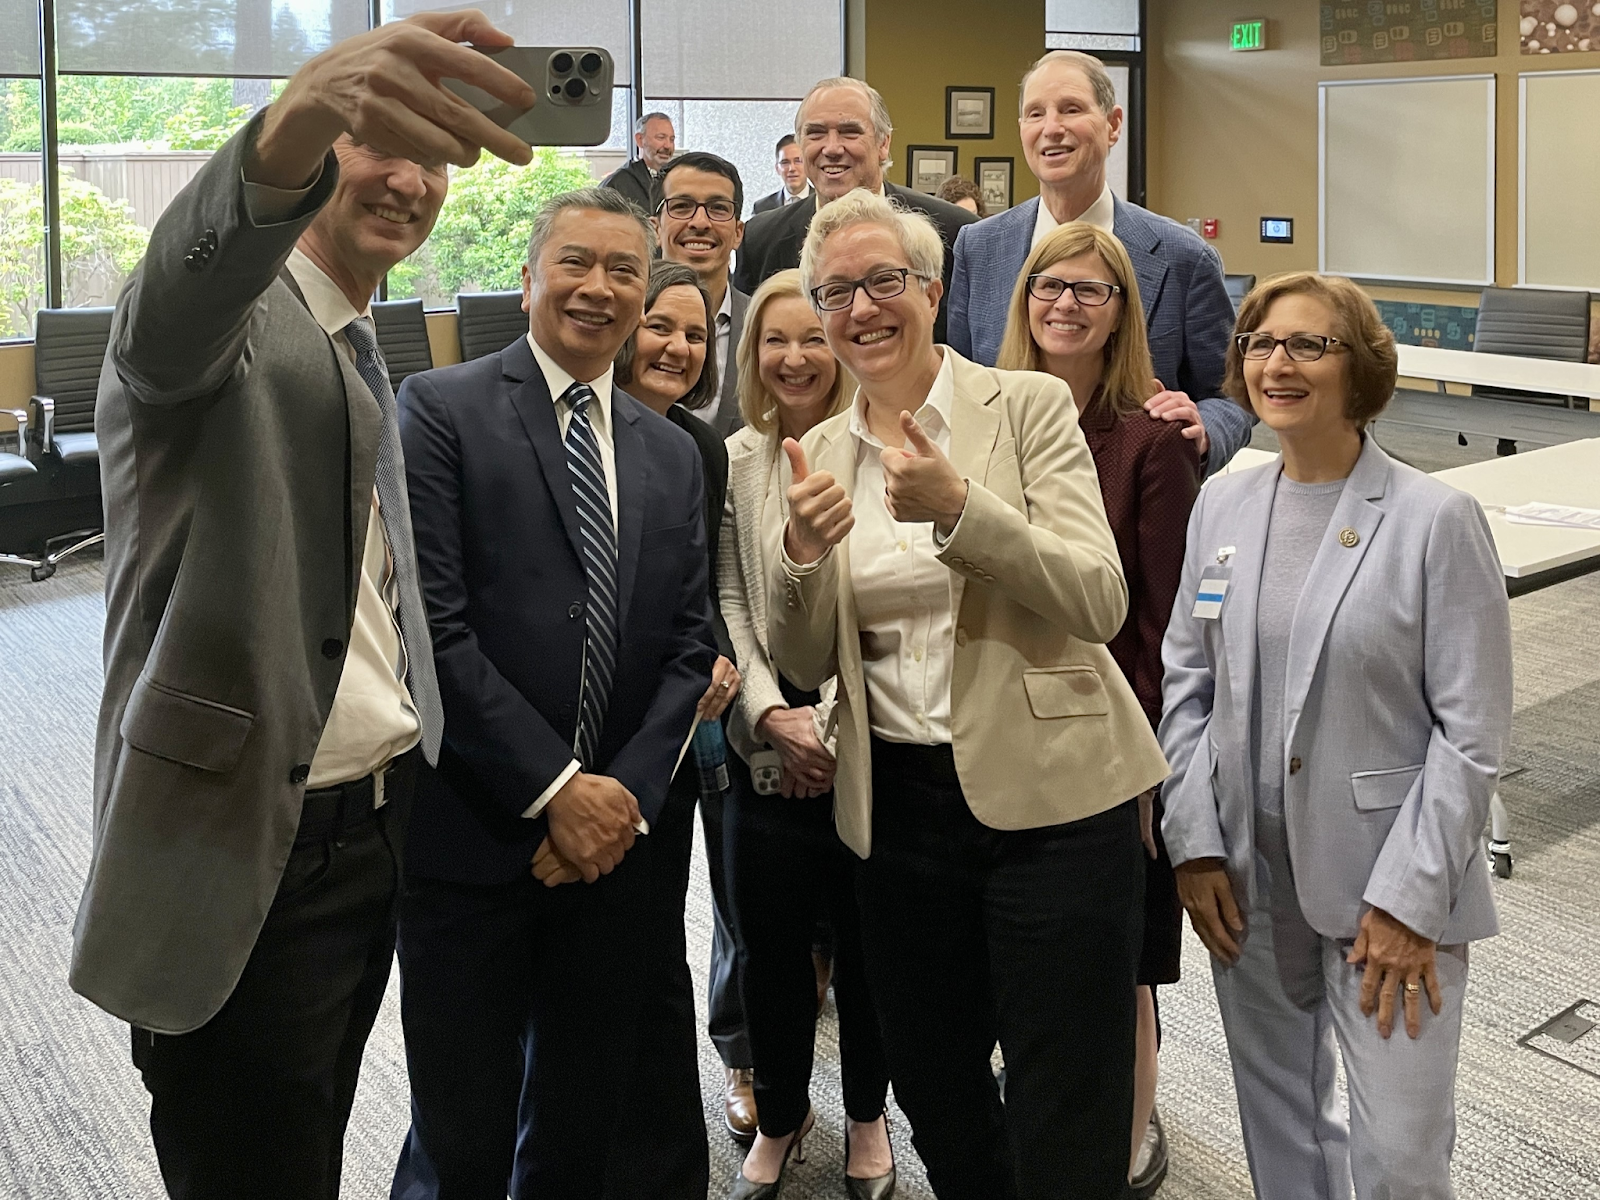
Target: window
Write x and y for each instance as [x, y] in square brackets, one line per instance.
[22, 254]
[1091, 25]
[1111, 31]
[741, 131]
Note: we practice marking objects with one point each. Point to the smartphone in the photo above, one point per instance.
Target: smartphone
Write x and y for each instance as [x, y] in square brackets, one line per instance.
[573, 86]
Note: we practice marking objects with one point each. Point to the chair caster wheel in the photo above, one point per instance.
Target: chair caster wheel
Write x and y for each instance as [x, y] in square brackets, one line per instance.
[42, 572]
[1500, 859]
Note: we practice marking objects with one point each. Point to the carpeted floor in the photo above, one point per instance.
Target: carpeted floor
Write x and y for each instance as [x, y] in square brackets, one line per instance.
[72, 1112]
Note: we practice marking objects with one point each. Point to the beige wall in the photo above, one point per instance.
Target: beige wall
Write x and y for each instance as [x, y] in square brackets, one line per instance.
[911, 50]
[1233, 135]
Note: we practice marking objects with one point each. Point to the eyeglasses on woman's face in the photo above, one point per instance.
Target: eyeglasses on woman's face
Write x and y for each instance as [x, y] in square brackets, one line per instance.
[683, 208]
[885, 284]
[1301, 347]
[1091, 293]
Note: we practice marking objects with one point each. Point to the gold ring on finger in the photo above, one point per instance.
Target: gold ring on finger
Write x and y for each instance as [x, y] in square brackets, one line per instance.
[1413, 988]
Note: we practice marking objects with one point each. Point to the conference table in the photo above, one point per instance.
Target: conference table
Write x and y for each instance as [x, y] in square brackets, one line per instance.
[1499, 370]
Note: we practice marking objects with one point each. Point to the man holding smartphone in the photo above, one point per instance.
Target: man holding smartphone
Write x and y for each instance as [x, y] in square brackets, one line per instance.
[269, 679]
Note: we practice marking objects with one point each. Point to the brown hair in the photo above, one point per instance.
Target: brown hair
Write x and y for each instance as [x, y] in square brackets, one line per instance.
[1373, 361]
[757, 405]
[1129, 377]
[664, 275]
[958, 187]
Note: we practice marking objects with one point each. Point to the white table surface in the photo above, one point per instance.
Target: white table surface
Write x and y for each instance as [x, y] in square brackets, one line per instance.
[1500, 370]
[1566, 474]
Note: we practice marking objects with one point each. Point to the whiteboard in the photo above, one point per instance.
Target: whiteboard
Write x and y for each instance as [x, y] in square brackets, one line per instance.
[1406, 179]
[1559, 176]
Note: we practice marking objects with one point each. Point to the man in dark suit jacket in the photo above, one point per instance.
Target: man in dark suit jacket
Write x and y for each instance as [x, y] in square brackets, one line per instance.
[845, 132]
[561, 538]
[1069, 122]
[268, 678]
[791, 168]
[639, 179]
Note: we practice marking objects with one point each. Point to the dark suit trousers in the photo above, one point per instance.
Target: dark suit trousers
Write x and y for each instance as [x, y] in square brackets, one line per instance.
[512, 995]
[725, 1020]
[1029, 938]
[255, 1102]
[660, 1152]
[786, 867]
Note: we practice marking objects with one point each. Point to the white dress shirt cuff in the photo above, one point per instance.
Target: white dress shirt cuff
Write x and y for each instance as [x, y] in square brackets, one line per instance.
[549, 794]
[267, 205]
[940, 541]
[799, 570]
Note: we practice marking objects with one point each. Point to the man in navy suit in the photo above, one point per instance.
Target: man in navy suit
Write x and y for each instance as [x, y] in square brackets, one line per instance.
[561, 545]
[1069, 120]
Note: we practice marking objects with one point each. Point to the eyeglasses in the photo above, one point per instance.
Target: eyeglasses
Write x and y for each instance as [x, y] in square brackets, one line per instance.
[683, 208]
[1301, 347]
[1091, 293]
[880, 285]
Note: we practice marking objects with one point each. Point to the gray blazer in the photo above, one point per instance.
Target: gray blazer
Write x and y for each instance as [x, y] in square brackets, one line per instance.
[1397, 704]
[237, 450]
[742, 589]
[725, 418]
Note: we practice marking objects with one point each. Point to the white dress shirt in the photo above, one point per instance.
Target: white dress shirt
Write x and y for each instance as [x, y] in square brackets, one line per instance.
[790, 197]
[372, 719]
[724, 334]
[904, 603]
[600, 420]
[1101, 214]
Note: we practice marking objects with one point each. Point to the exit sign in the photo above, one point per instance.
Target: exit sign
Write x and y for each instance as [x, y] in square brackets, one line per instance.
[1248, 35]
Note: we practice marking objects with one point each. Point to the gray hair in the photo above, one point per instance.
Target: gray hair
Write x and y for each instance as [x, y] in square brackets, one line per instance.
[601, 199]
[1105, 92]
[918, 238]
[643, 122]
[882, 126]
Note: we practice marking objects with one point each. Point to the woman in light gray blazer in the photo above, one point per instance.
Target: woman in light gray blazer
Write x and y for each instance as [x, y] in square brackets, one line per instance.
[786, 865]
[1336, 704]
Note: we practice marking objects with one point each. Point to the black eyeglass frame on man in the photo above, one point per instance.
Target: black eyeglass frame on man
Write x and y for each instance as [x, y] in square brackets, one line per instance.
[687, 207]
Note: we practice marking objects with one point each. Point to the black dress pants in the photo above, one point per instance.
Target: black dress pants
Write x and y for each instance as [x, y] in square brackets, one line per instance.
[786, 866]
[517, 998]
[255, 1102]
[1029, 938]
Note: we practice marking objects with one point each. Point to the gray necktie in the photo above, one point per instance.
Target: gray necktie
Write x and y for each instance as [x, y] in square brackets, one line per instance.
[395, 510]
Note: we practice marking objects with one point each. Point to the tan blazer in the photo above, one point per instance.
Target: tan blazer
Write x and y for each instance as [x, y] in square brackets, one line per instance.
[1046, 730]
[742, 589]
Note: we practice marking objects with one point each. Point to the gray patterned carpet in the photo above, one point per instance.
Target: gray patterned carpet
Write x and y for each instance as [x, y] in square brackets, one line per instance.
[72, 1112]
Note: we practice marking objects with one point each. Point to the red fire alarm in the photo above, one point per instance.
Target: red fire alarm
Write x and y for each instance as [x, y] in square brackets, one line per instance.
[1209, 227]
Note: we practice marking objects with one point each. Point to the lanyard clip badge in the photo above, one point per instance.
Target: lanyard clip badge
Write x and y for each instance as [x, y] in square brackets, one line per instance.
[1213, 589]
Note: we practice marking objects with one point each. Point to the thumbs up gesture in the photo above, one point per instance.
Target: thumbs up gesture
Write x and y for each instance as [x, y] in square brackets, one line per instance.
[819, 511]
[920, 484]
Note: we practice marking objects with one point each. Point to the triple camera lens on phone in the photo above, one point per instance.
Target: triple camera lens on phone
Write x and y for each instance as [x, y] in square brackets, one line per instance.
[574, 79]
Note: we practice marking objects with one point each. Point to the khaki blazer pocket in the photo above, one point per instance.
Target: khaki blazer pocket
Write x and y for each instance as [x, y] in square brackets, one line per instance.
[186, 729]
[1375, 790]
[1066, 692]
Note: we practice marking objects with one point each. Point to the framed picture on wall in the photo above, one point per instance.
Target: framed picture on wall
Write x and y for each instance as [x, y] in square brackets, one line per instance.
[968, 112]
[994, 178]
[929, 166]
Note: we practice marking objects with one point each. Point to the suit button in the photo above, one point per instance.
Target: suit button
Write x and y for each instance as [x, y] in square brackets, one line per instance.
[961, 637]
[299, 773]
[211, 238]
[332, 648]
[1294, 766]
[192, 261]
[574, 611]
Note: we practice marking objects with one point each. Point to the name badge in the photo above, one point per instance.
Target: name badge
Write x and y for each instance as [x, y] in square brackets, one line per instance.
[1213, 590]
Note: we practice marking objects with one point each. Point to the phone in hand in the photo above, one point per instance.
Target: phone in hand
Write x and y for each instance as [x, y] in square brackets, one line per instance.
[573, 85]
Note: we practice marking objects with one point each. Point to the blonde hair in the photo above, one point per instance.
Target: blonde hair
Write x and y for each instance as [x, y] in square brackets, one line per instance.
[918, 239]
[757, 405]
[1128, 380]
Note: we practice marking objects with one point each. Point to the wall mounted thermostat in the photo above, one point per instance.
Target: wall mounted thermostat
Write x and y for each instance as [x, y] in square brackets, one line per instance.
[1277, 229]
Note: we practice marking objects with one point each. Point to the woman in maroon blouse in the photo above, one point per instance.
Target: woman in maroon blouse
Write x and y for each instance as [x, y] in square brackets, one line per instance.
[1076, 314]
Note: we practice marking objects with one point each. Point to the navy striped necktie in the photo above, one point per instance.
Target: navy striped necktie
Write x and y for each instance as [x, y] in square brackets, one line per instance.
[600, 565]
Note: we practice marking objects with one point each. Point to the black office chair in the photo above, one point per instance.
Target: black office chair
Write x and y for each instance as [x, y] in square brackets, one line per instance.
[15, 467]
[402, 327]
[1534, 324]
[489, 321]
[1239, 286]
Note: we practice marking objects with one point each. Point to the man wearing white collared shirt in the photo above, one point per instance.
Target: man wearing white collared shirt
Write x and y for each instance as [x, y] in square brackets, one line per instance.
[791, 167]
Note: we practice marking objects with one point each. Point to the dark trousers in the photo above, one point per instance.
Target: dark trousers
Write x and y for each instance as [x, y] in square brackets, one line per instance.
[1029, 938]
[725, 1007]
[512, 995]
[660, 1150]
[787, 866]
[255, 1102]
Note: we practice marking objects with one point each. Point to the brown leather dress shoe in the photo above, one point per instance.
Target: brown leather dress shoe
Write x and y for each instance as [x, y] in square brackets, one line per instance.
[739, 1105]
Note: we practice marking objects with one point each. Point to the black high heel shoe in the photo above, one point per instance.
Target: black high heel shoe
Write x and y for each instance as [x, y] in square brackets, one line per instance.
[880, 1187]
[747, 1189]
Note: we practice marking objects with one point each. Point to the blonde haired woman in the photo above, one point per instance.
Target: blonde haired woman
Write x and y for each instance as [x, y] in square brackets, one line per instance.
[1075, 313]
[785, 862]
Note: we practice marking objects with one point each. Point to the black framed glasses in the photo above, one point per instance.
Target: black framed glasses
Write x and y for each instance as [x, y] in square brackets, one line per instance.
[880, 285]
[1301, 347]
[1091, 293]
[683, 208]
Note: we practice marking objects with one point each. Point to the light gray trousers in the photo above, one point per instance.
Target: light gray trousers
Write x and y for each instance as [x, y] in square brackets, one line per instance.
[1284, 1004]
